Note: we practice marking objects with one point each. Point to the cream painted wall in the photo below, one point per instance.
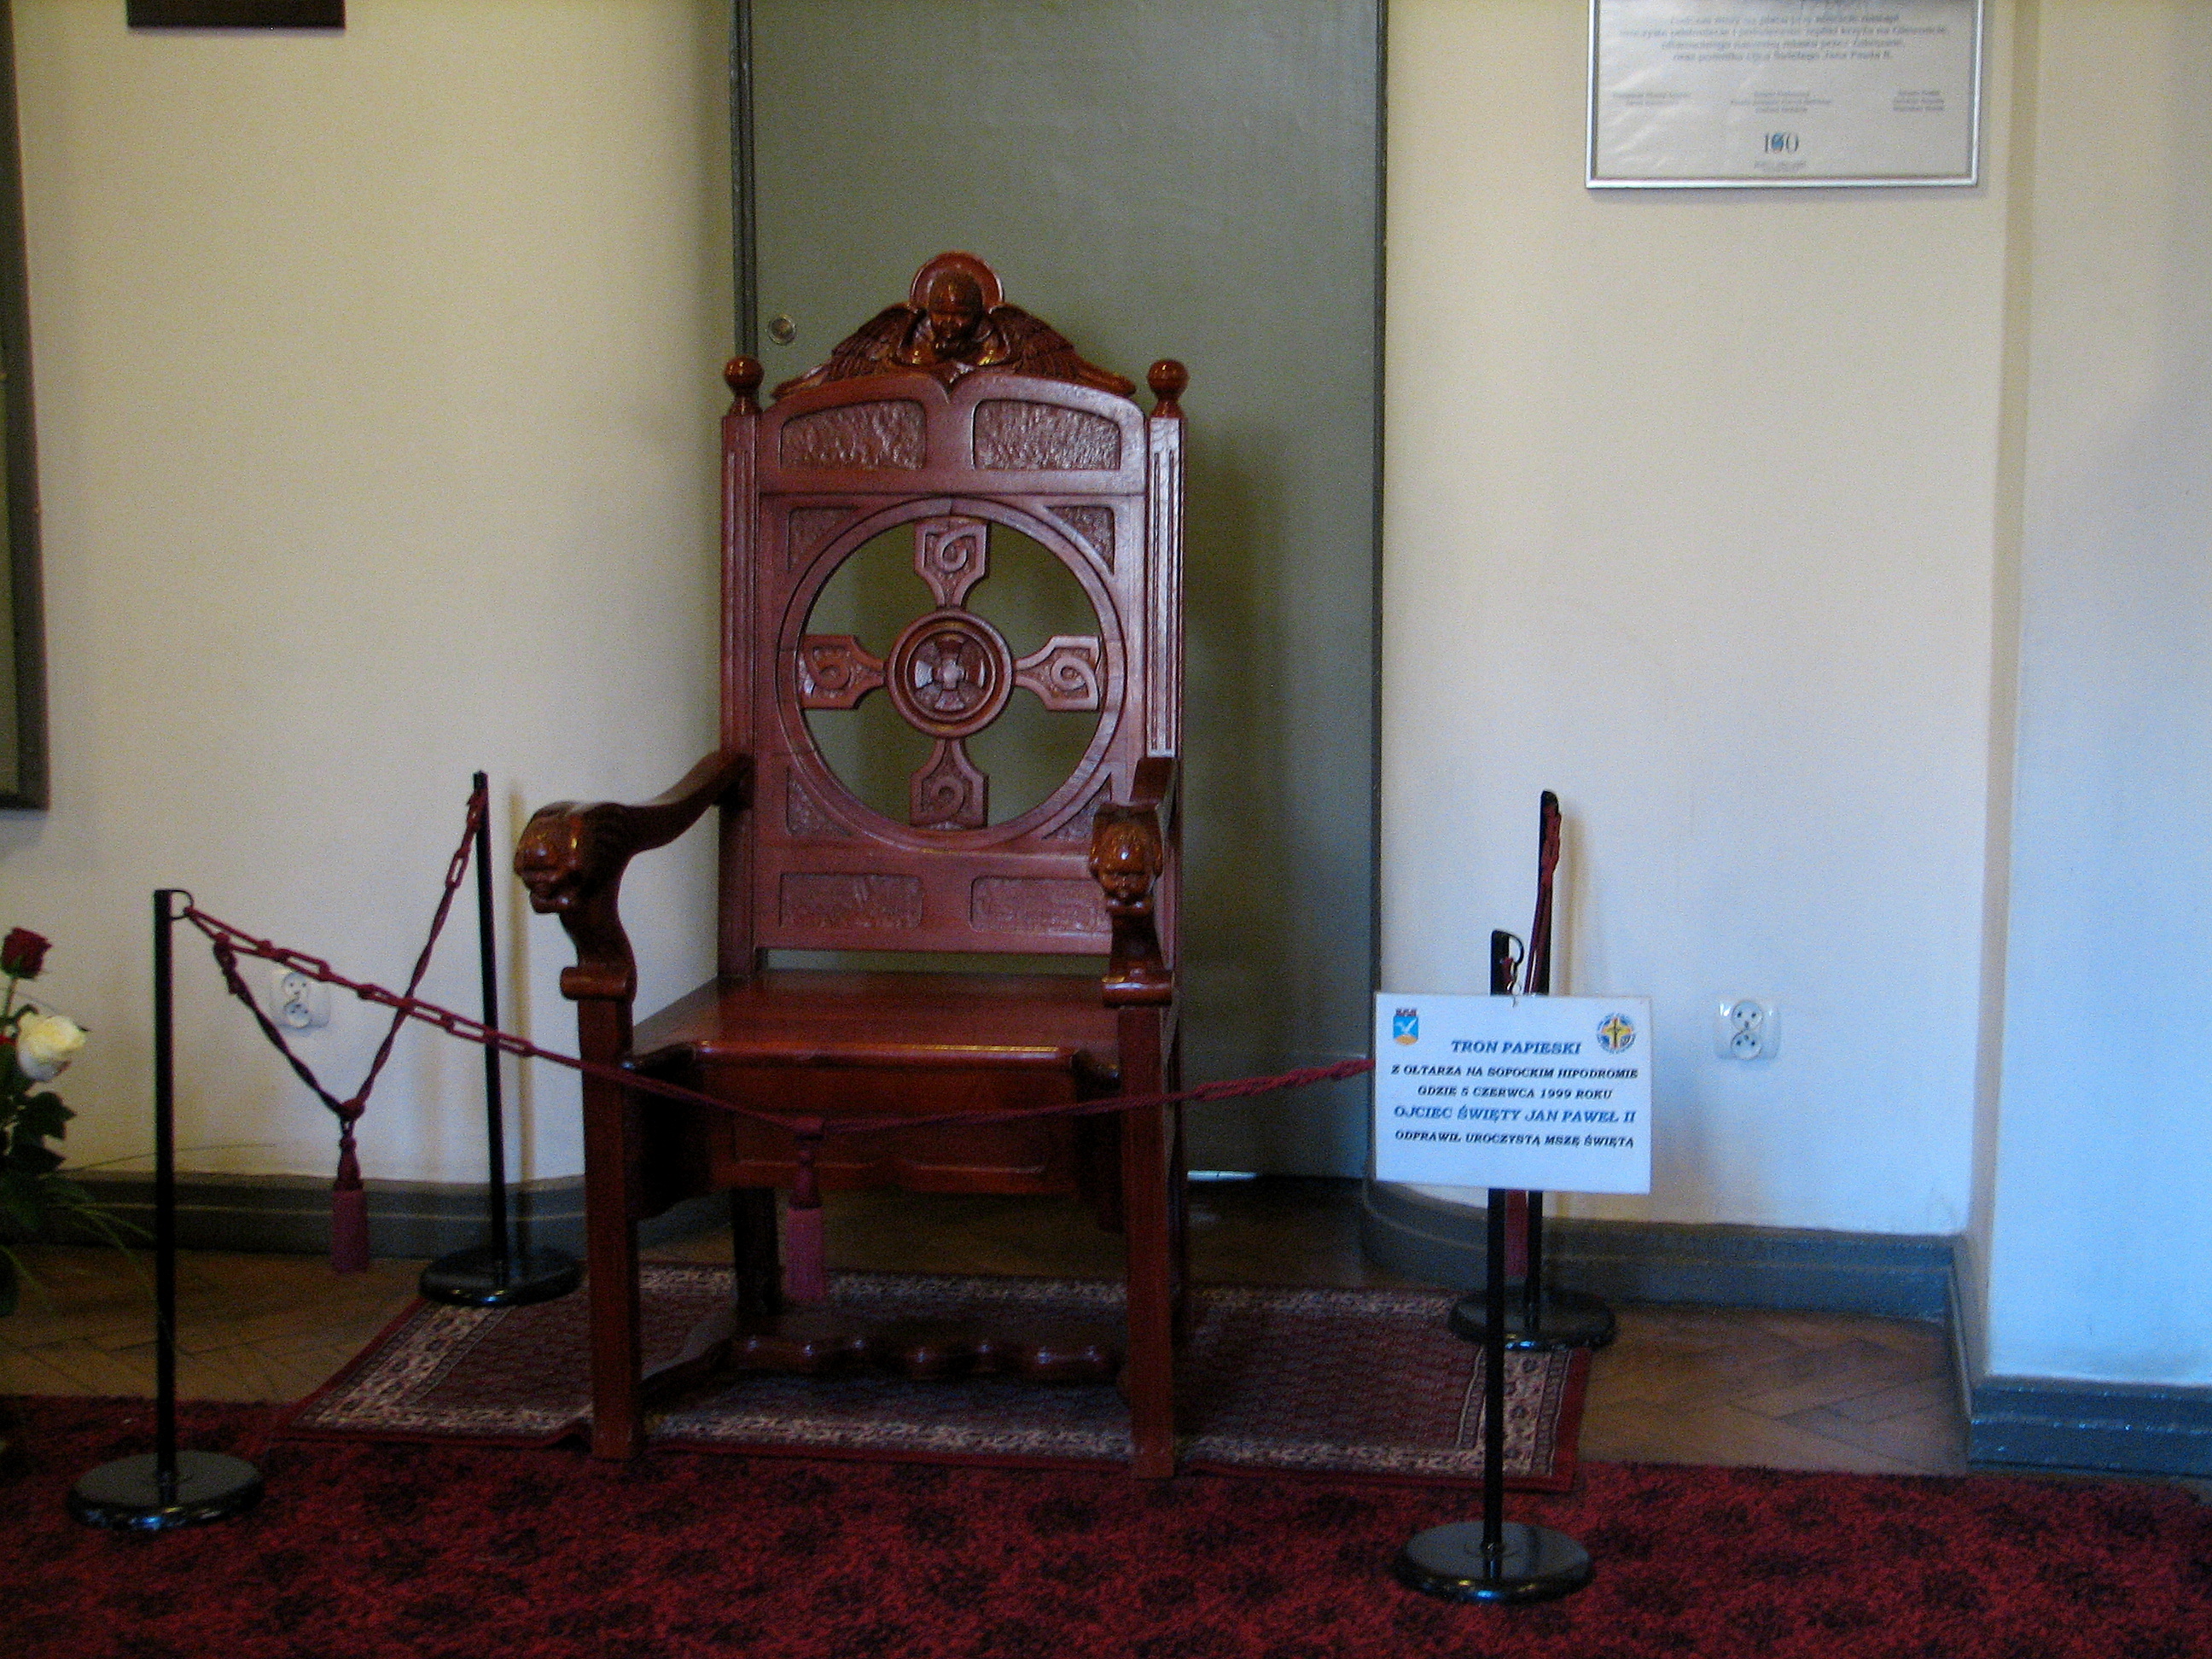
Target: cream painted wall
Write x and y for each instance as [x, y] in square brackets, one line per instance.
[377, 403]
[378, 389]
[376, 408]
[2099, 1208]
[1690, 517]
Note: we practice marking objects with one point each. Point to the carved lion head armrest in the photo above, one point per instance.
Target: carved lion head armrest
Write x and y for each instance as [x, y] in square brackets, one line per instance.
[1127, 855]
[571, 856]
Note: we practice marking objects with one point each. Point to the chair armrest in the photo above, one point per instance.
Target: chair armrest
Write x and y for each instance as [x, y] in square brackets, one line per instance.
[571, 856]
[1127, 853]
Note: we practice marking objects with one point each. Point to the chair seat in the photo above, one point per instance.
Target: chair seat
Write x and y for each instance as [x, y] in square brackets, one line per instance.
[799, 1043]
[802, 1016]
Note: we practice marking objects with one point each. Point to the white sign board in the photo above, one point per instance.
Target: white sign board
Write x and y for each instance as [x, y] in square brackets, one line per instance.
[1549, 1094]
[1784, 91]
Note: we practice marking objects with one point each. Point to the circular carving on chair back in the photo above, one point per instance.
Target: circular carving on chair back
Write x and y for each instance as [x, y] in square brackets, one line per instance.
[992, 708]
[950, 673]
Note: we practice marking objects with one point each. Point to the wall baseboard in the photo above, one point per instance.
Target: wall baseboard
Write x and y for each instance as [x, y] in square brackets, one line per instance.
[409, 1220]
[2114, 1428]
[2054, 1423]
[1899, 1276]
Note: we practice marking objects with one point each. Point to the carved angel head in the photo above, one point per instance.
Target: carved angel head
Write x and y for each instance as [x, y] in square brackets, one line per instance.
[1126, 857]
[955, 306]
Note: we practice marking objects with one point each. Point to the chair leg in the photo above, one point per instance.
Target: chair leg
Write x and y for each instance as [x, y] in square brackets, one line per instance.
[753, 1250]
[1178, 1194]
[1179, 1226]
[1147, 1208]
[610, 1280]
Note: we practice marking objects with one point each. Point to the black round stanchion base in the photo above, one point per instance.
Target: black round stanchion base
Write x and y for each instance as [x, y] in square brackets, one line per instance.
[1570, 1319]
[472, 1279]
[1534, 1564]
[126, 1494]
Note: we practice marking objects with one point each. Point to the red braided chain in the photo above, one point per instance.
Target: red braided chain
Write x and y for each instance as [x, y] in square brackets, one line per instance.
[348, 1111]
[456, 868]
[226, 937]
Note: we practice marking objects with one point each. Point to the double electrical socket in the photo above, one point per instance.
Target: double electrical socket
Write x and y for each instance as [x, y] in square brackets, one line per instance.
[1746, 1028]
[298, 1002]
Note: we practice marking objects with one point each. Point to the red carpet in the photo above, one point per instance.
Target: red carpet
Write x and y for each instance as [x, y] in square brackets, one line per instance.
[450, 1552]
[1345, 1381]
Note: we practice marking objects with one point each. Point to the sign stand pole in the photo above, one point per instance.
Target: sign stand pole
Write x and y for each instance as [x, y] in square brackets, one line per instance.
[164, 1488]
[1501, 1561]
[1541, 1317]
[495, 1274]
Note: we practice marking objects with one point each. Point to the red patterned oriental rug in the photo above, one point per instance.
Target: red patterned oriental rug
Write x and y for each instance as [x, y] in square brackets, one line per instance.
[1362, 1382]
[369, 1550]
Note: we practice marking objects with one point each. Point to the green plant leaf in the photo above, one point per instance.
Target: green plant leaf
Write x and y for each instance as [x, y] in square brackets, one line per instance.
[20, 1207]
[23, 1276]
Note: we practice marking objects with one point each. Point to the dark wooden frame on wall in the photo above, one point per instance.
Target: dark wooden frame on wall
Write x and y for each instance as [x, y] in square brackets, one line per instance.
[26, 592]
[235, 13]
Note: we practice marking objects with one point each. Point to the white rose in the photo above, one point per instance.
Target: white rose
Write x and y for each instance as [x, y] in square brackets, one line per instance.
[44, 1043]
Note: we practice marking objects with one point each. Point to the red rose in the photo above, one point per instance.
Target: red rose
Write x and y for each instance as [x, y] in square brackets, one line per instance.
[22, 953]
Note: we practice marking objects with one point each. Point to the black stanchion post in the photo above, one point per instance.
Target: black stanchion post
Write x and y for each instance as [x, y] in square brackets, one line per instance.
[1500, 1561]
[165, 1203]
[495, 1274]
[1541, 1318]
[164, 1488]
[495, 1104]
[1493, 1388]
[1532, 1271]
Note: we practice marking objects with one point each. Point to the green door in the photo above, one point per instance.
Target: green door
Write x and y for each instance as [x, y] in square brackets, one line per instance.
[1195, 180]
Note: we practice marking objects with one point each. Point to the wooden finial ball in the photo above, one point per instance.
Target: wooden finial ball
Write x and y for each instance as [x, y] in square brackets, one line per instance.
[743, 375]
[1167, 378]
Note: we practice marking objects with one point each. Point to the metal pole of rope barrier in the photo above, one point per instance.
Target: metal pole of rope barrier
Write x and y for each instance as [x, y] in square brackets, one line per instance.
[1501, 1562]
[155, 1491]
[495, 1274]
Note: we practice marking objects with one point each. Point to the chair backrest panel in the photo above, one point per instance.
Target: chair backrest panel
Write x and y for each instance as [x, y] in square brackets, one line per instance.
[951, 454]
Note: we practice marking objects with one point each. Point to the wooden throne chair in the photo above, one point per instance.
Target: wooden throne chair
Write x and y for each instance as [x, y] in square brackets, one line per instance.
[948, 424]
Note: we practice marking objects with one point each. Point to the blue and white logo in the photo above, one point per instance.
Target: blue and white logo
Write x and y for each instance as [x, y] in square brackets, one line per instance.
[1405, 1025]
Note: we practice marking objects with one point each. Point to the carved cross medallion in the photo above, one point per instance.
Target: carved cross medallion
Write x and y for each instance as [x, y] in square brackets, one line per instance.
[950, 674]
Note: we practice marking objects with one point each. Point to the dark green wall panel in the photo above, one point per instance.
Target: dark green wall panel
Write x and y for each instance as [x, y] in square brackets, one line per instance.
[1196, 180]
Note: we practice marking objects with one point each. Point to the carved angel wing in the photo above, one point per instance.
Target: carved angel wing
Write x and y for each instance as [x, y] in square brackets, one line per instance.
[867, 350]
[1035, 347]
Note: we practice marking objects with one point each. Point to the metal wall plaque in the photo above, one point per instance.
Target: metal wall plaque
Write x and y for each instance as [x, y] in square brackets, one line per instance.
[1784, 93]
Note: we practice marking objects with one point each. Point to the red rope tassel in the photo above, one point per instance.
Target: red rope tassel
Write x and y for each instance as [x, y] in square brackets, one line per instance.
[348, 1213]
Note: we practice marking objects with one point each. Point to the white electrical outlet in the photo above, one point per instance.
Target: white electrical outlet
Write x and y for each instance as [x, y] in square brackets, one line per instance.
[297, 1001]
[1746, 1028]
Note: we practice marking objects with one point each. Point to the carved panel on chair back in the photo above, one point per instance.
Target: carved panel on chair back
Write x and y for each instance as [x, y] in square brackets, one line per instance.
[952, 463]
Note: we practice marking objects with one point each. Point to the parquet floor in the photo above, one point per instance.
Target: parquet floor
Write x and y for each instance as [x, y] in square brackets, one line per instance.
[1686, 1385]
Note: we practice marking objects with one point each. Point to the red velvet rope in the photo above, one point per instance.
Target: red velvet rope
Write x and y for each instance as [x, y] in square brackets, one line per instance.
[349, 1212]
[231, 942]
